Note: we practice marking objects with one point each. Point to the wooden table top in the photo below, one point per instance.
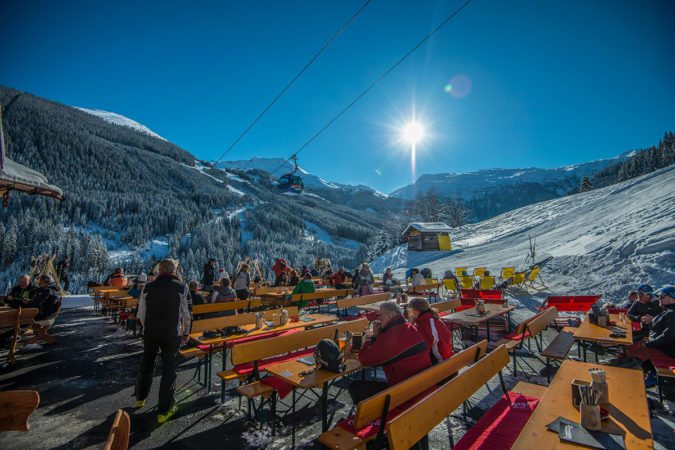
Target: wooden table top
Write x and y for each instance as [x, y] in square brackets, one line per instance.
[290, 371]
[628, 408]
[470, 316]
[319, 319]
[590, 332]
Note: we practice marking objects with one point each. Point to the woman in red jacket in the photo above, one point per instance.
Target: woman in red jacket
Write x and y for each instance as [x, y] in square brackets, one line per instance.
[435, 333]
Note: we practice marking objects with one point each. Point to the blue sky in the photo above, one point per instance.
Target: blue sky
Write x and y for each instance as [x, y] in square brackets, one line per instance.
[551, 82]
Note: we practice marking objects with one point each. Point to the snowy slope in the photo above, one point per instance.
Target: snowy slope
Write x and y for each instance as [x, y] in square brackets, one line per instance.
[121, 120]
[473, 184]
[606, 240]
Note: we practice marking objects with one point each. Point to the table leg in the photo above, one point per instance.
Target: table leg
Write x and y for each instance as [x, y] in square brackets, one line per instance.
[487, 326]
[293, 424]
[584, 345]
[324, 408]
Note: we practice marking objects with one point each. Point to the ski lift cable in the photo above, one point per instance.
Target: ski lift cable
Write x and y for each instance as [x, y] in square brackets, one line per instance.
[377, 80]
[328, 43]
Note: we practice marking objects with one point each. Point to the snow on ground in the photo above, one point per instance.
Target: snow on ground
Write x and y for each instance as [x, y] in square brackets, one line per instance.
[121, 120]
[604, 241]
[77, 301]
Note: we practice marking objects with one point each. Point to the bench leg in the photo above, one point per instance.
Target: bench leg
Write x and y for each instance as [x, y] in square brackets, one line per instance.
[274, 413]
[293, 423]
[515, 365]
[548, 371]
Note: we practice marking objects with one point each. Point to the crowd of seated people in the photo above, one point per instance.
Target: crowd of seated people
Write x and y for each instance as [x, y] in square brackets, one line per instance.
[45, 296]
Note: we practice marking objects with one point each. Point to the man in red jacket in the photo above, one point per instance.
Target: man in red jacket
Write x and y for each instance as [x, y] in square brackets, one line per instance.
[397, 346]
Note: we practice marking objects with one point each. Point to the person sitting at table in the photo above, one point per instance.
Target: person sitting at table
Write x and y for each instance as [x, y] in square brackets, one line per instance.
[117, 278]
[22, 291]
[397, 346]
[282, 279]
[195, 297]
[417, 277]
[643, 310]
[306, 286]
[224, 292]
[434, 331]
[294, 278]
[137, 288]
[46, 299]
[339, 279]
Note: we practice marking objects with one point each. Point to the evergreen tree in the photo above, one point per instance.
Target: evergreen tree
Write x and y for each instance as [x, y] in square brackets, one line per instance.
[586, 185]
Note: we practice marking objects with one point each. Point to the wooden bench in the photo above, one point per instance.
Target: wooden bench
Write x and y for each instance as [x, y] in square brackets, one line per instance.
[209, 308]
[250, 358]
[118, 437]
[321, 294]
[354, 302]
[15, 409]
[408, 428]
[11, 321]
[557, 350]
[349, 433]
[530, 328]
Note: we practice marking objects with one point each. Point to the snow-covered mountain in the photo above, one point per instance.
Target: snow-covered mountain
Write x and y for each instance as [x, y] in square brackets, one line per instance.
[603, 241]
[118, 119]
[473, 185]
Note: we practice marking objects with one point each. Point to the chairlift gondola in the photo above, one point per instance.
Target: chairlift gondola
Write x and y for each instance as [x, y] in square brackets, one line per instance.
[290, 184]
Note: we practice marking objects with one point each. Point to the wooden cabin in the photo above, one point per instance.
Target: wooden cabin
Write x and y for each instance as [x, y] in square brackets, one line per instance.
[428, 237]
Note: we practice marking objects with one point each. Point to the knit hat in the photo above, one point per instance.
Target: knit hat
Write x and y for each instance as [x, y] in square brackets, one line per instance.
[668, 290]
[142, 278]
[647, 289]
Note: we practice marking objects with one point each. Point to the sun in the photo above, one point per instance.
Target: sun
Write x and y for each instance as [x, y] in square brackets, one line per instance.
[413, 132]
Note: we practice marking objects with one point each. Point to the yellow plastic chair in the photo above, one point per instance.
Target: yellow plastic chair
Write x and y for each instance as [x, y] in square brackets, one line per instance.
[467, 282]
[507, 272]
[518, 279]
[534, 281]
[479, 272]
[460, 271]
[487, 283]
[450, 285]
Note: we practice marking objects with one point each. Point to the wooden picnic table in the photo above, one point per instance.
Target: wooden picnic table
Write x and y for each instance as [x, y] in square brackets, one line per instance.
[290, 371]
[628, 408]
[470, 318]
[317, 319]
[589, 332]
[251, 331]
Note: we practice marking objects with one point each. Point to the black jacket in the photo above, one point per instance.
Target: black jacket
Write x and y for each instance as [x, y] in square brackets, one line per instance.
[163, 308]
[21, 293]
[46, 299]
[662, 331]
[639, 309]
[209, 275]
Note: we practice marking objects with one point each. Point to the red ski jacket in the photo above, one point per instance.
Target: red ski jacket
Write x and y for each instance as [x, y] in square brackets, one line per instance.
[399, 349]
[436, 335]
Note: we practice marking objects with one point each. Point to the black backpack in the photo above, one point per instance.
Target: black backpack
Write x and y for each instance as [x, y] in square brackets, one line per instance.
[328, 356]
[426, 272]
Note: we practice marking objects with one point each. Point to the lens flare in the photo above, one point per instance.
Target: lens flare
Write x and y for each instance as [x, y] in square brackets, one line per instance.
[459, 86]
[378, 172]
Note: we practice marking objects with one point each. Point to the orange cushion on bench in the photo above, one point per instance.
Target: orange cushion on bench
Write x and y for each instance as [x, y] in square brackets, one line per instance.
[500, 426]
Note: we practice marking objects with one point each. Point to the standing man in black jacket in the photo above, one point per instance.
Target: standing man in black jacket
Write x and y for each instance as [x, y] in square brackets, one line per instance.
[163, 311]
[209, 274]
